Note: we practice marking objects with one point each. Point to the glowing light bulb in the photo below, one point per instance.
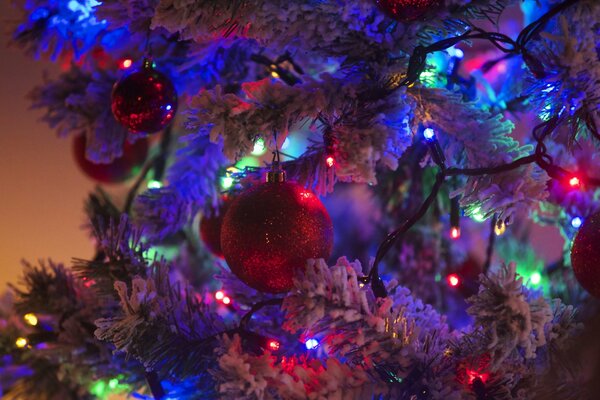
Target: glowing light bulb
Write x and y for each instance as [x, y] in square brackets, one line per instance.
[453, 280]
[311, 344]
[219, 295]
[455, 232]
[226, 300]
[259, 147]
[154, 184]
[31, 319]
[113, 383]
[472, 375]
[126, 63]
[273, 345]
[330, 161]
[21, 342]
[226, 182]
[429, 134]
[274, 74]
[499, 228]
[576, 222]
[535, 278]
[574, 182]
[477, 215]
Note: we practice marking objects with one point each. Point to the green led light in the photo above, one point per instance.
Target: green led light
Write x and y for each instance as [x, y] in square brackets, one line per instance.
[535, 278]
[226, 182]
[259, 147]
[113, 383]
[477, 215]
[153, 184]
[438, 277]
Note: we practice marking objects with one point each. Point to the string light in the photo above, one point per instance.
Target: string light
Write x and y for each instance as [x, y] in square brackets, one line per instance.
[576, 222]
[473, 375]
[226, 182]
[455, 232]
[453, 280]
[21, 342]
[259, 147]
[154, 184]
[226, 300]
[273, 345]
[31, 319]
[330, 161]
[499, 228]
[219, 295]
[311, 344]
[575, 182]
[429, 134]
[535, 278]
[126, 63]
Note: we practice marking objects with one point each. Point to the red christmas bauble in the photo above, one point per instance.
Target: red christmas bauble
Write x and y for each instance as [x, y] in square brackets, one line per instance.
[270, 230]
[210, 228]
[120, 169]
[407, 10]
[144, 100]
[585, 255]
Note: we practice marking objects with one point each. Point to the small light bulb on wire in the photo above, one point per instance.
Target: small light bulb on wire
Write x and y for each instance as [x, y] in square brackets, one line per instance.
[226, 300]
[330, 161]
[455, 232]
[31, 319]
[575, 182]
[499, 228]
[429, 134]
[453, 280]
[126, 63]
[311, 344]
[576, 222]
[21, 342]
[219, 295]
[273, 345]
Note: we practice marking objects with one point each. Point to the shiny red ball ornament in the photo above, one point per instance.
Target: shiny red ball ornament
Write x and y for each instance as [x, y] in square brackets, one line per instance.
[144, 100]
[407, 10]
[210, 228]
[585, 255]
[120, 169]
[271, 229]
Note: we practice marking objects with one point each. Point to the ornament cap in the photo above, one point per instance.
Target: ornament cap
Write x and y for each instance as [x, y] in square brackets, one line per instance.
[276, 174]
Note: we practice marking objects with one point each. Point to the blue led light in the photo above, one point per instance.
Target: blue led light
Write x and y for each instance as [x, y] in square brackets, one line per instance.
[428, 134]
[311, 344]
[576, 222]
[168, 107]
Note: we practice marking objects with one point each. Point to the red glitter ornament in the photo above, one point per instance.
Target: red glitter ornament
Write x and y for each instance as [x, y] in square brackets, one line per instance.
[118, 170]
[585, 255]
[210, 228]
[407, 10]
[271, 229]
[144, 100]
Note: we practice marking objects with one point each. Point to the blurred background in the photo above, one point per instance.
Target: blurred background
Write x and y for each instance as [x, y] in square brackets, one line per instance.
[41, 189]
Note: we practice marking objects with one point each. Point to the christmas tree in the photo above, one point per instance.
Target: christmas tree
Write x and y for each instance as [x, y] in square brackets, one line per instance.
[326, 199]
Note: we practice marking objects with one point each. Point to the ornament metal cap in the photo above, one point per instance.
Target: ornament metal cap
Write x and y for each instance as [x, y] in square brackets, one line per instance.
[276, 175]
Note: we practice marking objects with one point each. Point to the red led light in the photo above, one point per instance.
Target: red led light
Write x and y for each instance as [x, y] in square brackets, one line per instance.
[453, 280]
[273, 345]
[472, 375]
[226, 300]
[574, 182]
[219, 295]
[126, 63]
[330, 161]
[455, 232]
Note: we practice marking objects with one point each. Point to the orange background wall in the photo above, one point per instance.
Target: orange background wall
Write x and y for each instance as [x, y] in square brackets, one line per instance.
[41, 190]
